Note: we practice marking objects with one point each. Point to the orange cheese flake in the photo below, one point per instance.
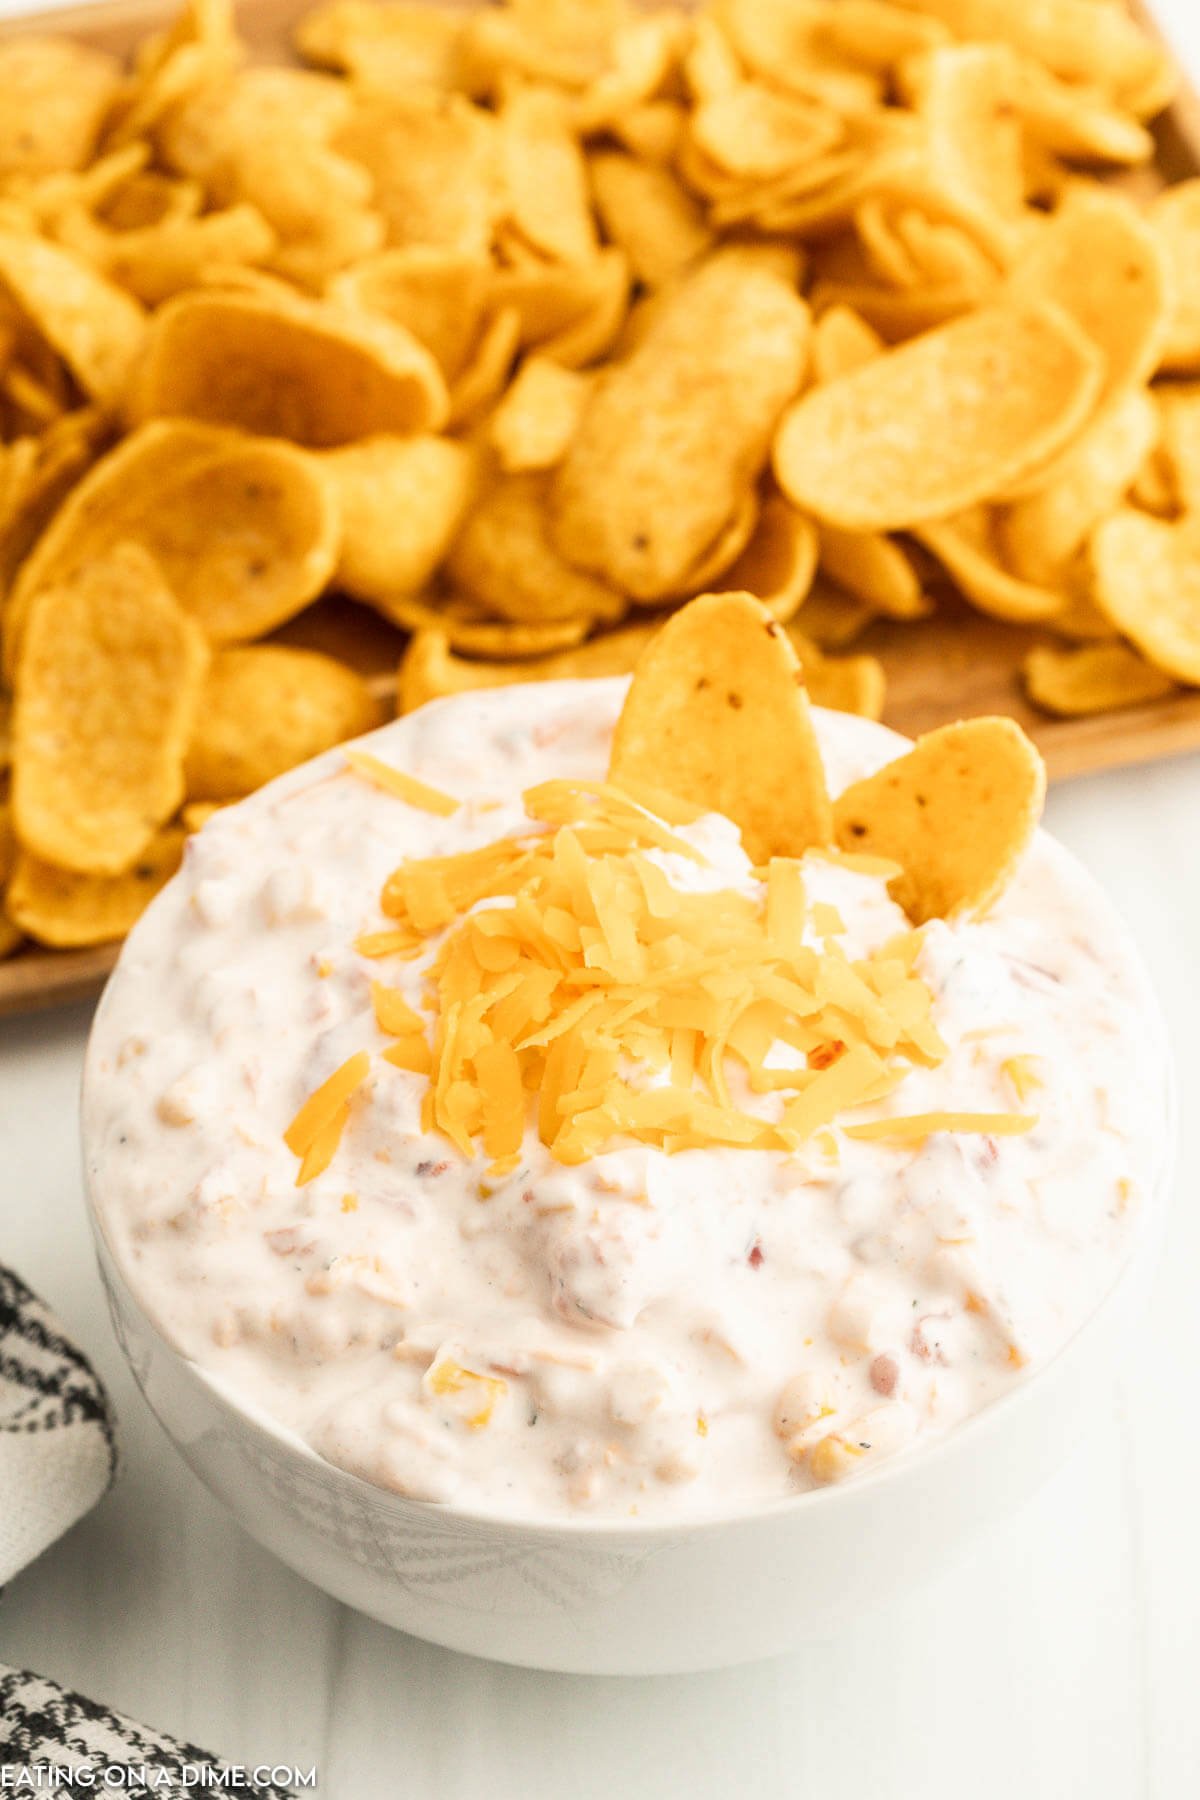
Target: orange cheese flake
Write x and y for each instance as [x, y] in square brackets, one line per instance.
[404, 787]
[572, 969]
[388, 943]
[577, 989]
[393, 1014]
[857, 861]
[320, 1152]
[921, 1125]
[411, 1052]
[315, 1131]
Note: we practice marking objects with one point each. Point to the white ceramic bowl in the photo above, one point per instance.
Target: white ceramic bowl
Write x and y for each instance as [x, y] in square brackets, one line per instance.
[631, 1598]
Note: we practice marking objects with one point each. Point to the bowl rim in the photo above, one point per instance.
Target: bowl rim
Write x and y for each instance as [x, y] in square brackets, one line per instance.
[921, 1460]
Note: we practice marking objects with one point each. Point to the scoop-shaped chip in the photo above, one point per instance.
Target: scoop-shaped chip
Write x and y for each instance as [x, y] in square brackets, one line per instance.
[437, 294]
[56, 93]
[956, 812]
[433, 160]
[317, 204]
[545, 191]
[1098, 259]
[401, 502]
[647, 211]
[653, 131]
[834, 619]
[876, 569]
[165, 259]
[783, 43]
[1077, 124]
[429, 668]
[1147, 581]
[1094, 679]
[641, 55]
[107, 683]
[264, 709]
[965, 94]
[710, 571]
[534, 423]
[717, 714]
[205, 132]
[467, 628]
[842, 342]
[117, 195]
[884, 246]
[1175, 220]
[940, 423]
[853, 684]
[66, 910]
[245, 530]
[673, 436]
[897, 314]
[944, 254]
[1178, 452]
[197, 54]
[35, 476]
[779, 562]
[504, 557]
[967, 549]
[710, 65]
[307, 370]
[756, 132]
[261, 136]
[394, 46]
[1106, 48]
[562, 41]
[95, 327]
[1042, 532]
[1153, 487]
[572, 312]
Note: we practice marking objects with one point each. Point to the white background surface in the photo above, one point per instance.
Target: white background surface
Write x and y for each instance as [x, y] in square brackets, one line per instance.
[1063, 1663]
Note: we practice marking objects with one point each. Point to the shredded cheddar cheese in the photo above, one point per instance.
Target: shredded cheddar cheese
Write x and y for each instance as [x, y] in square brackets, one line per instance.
[404, 787]
[575, 984]
[316, 1130]
[857, 860]
[921, 1125]
[576, 979]
[393, 1014]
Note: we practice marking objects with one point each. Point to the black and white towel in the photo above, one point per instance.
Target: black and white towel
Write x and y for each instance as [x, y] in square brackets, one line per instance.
[58, 1450]
[58, 1455]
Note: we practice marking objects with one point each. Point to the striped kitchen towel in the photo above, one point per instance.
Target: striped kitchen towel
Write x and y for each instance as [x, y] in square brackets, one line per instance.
[58, 1455]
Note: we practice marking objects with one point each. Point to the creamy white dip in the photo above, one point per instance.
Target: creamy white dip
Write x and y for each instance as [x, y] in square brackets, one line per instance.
[647, 1334]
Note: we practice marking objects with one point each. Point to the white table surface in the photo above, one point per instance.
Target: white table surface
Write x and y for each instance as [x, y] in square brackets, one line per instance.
[1062, 1663]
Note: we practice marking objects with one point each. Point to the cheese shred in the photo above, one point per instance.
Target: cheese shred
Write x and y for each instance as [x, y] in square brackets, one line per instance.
[404, 787]
[922, 1125]
[576, 986]
[316, 1130]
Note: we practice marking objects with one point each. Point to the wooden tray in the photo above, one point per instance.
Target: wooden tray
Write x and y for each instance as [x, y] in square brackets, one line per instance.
[956, 664]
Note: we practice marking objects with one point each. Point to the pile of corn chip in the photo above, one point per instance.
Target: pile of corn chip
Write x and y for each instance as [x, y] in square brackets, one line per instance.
[520, 325]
